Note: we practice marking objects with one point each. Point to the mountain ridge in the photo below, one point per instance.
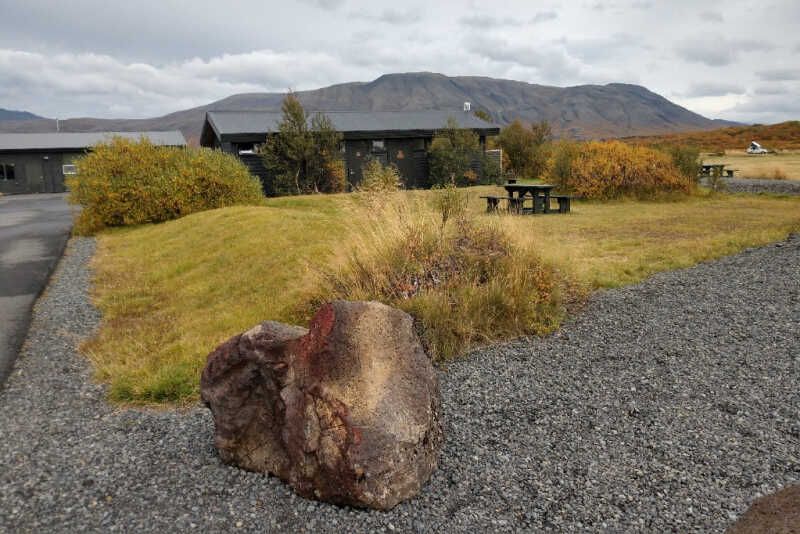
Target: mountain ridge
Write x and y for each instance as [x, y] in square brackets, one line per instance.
[582, 111]
[15, 115]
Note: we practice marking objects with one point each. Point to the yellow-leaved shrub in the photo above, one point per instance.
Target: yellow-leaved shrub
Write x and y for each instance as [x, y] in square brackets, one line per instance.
[126, 182]
[612, 169]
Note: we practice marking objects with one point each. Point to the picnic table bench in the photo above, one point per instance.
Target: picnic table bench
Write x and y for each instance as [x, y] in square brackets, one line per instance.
[518, 194]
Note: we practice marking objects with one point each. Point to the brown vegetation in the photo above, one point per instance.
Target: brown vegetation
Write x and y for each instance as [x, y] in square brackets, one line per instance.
[782, 136]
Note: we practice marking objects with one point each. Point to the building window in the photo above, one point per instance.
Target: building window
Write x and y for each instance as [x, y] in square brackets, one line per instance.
[69, 169]
[7, 171]
[378, 145]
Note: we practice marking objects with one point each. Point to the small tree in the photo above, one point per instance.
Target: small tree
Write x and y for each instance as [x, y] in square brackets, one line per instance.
[323, 175]
[564, 154]
[451, 205]
[686, 159]
[299, 156]
[452, 152]
[526, 148]
[379, 178]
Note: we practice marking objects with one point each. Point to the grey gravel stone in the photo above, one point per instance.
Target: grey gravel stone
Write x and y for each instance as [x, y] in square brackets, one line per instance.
[753, 185]
[665, 406]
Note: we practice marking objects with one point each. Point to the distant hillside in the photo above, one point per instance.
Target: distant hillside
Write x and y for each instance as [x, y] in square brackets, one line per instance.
[584, 111]
[11, 115]
[782, 136]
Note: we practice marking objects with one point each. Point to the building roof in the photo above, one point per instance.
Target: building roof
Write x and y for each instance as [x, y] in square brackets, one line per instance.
[78, 141]
[262, 122]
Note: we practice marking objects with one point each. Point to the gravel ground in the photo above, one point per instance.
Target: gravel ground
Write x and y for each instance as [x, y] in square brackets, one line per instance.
[665, 406]
[751, 185]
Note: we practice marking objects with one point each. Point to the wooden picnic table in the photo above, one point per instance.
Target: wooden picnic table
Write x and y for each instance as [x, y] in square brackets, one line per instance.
[706, 168]
[540, 194]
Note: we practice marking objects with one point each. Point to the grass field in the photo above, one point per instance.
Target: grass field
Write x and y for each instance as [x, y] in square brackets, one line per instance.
[171, 292]
[787, 163]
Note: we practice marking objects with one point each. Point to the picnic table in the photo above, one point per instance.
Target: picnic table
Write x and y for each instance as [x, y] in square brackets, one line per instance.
[539, 194]
[707, 168]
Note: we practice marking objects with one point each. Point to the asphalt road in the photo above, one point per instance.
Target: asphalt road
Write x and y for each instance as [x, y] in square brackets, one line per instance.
[33, 232]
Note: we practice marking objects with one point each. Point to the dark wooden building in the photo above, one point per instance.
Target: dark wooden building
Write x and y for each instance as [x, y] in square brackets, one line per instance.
[38, 162]
[401, 138]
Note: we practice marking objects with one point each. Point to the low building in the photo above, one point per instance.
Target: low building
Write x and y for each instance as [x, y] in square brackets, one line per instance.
[38, 162]
[401, 138]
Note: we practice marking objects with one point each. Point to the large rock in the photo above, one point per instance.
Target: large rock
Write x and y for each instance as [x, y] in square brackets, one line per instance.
[346, 412]
[776, 513]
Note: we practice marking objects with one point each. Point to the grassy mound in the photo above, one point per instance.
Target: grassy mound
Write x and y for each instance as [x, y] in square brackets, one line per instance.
[171, 292]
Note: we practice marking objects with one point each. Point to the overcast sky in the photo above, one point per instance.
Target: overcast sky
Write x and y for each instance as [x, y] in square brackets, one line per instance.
[736, 60]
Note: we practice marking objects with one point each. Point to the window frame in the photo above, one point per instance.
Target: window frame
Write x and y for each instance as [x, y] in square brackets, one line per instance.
[64, 169]
[4, 172]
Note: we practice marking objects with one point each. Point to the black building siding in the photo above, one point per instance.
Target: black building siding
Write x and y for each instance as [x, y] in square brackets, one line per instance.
[35, 172]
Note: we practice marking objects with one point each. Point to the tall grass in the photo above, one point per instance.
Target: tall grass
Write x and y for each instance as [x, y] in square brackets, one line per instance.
[464, 283]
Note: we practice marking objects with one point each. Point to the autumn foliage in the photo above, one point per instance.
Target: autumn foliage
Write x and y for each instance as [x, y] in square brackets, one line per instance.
[608, 170]
[127, 182]
[782, 136]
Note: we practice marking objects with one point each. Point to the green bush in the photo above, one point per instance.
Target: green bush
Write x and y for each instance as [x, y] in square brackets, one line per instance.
[453, 153]
[127, 182]
[563, 155]
[685, 158]
[526, 149]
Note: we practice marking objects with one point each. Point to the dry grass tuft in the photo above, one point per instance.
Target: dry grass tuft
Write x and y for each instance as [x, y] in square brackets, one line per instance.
[465, 283]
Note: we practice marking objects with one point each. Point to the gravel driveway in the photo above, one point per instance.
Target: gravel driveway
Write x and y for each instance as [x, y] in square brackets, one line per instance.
[669, 405]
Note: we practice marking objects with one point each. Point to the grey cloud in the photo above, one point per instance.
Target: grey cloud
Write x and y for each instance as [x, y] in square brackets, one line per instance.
[330, 5]
[702, 89]
[717, 51]
[144, 58]
[786, 104]
[544, 16]
[604, 48]
[551, 64]
[487, 21]
[389, 16]
[779, 75]
[773, 89]
[714, 16]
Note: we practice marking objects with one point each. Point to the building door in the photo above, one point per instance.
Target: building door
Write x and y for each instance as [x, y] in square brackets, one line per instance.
[53, 180]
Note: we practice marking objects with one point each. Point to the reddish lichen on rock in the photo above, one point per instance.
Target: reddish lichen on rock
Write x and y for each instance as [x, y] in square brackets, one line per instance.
[345, 412]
